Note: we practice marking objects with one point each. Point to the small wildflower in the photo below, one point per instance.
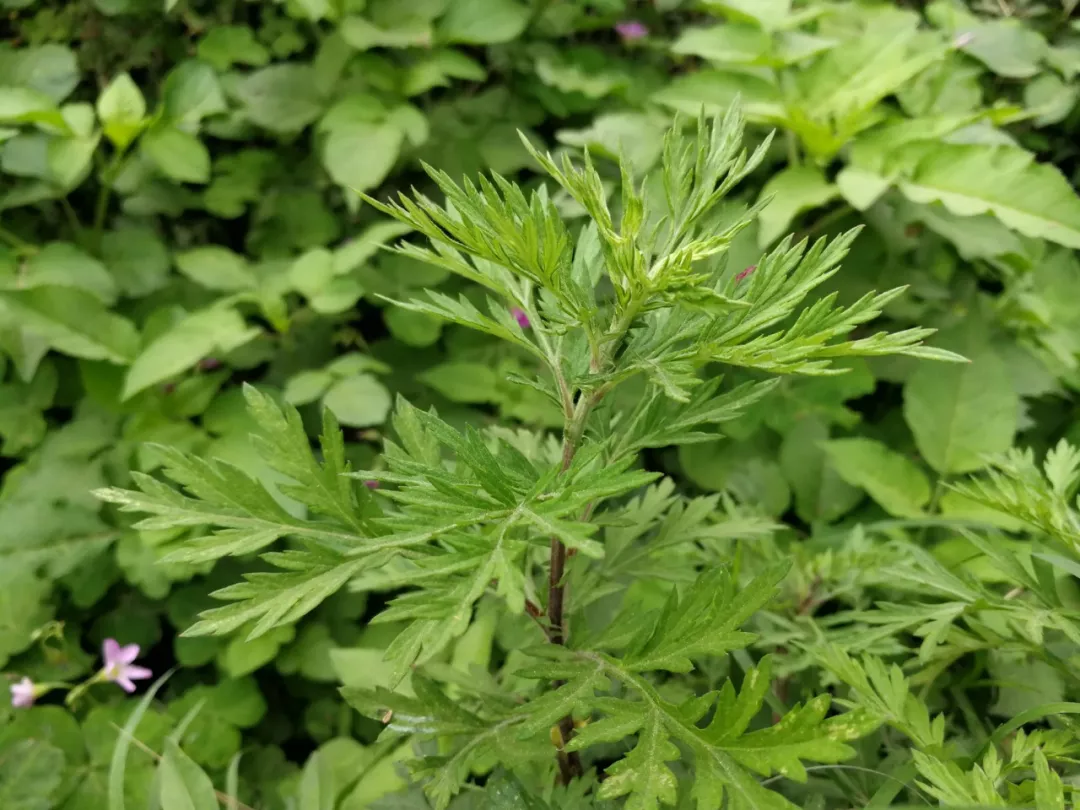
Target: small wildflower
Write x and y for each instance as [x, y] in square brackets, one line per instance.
[23, 694]
[631, 30]
[964, 39]
[119, 665]
[745, 273]
[371, 483]
[521, 317]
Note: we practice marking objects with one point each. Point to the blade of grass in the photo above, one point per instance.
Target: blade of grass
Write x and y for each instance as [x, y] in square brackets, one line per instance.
[118, 763]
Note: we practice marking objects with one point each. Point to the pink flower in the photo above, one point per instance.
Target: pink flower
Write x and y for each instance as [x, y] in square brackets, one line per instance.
[119, 665]
[23, 694]
[521, 317]
[371, 483]
[631, 30]
[745, 273]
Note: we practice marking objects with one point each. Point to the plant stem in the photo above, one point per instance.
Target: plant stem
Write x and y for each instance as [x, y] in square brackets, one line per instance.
[573, 433]
[101, 208]
[77, 228]
[792, 148]
[569, 761]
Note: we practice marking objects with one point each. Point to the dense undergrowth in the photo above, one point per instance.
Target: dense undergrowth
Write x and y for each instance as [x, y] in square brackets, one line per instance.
[780, 585]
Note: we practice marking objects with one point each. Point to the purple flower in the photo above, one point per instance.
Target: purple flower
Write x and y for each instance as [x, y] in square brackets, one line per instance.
[521, 317]
[23, 694]
[371, 483]
[745, 273]
[631, 30]
[119, 665]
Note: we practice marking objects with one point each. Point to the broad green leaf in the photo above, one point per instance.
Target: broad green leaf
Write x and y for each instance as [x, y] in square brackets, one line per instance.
[199, 335]
[51, 69]
[463, 382]
[307, 386]
[242, 656]
[717, 90]
[360, 155]
[313, 272]
[364, 246]
[70, 159]
[791, 191]
[769, 14]
[122, 110]
[137, 259]
[51, 724]
[22, 105]
[892, 480]
[438, 69]
[1033, 198]
[362, 34]
[61, 264]
[381, 779]
[315, 10]
[1021, 684]
[636, 138]
[179, 155]
[483, 22]
[580, 71]
[191, 93]
[721, 466]
[1007, 47]
[358, 401]
[318, 784]
[281, 98]
[226, 45]
[365, 668]
[31, 772]
[729, 43]
[861, 188]
[961, 414]
[183, 784]
[73, 322]
[412, 328]
[23, 609]
[1050, 99]
[842, 87]
[978, 237]
[820, 493]
[80, 118]
[216, 268]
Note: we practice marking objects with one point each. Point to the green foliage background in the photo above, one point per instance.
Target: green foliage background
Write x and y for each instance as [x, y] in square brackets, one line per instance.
[180, 213]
